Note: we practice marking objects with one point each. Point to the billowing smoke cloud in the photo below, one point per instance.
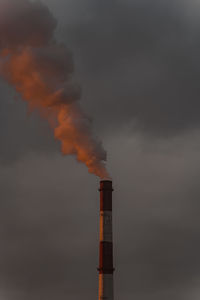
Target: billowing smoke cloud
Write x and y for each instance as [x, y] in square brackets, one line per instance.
[41, 70]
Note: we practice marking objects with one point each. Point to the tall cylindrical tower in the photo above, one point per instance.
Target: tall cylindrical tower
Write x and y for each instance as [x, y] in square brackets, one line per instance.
[106, 242]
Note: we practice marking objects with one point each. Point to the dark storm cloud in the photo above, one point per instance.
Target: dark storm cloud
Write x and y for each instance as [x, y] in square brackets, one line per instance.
[139, 64]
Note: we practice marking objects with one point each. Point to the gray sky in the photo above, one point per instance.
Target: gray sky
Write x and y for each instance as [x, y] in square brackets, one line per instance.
[138, 66]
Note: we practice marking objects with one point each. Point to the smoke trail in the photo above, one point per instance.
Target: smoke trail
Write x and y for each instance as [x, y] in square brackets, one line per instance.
[41, 70]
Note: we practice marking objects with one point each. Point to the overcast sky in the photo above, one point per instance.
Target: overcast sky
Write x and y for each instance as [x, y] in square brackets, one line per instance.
[138, 65]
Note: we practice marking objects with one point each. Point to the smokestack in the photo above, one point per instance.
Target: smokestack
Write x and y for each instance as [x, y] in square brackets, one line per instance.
[106, 242]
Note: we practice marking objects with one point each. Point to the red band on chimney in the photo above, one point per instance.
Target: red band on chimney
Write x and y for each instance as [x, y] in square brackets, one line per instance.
[106, 195]
[106, 258]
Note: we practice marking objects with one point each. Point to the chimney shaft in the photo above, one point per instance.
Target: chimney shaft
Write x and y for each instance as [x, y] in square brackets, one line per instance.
[106, 242]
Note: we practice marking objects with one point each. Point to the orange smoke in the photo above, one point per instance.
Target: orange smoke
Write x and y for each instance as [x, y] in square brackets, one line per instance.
[42, 74]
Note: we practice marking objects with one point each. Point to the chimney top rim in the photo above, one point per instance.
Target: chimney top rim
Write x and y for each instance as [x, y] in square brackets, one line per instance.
[106, 180]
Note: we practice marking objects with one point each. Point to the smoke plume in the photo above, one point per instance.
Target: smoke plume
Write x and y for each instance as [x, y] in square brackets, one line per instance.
[41, 71]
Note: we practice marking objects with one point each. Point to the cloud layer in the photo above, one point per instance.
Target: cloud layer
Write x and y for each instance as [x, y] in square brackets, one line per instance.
[142, 58]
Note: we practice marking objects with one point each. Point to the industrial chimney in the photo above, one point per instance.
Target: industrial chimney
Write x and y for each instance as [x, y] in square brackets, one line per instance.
[106, 242]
